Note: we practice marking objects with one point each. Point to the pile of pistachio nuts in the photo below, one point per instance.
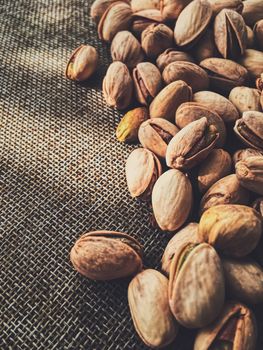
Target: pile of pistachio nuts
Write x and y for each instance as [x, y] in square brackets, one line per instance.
[190, 74]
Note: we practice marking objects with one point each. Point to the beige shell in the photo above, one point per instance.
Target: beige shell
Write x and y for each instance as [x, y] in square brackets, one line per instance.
[99, 7]
[243, 154]
[252, 60]
[142, 19]
[252, 11]
[149, 307]
[245, 99]
[106, 255]
[172, 55]
[171, 9]
[196, 288]
[218, 5]
[250, 173]
[139, 5]
[172, 200]
[234, 230]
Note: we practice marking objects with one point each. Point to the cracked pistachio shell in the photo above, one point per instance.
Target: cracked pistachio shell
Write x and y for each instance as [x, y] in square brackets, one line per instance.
[252, 11]
[169, 99]
[219, 104]
[99, 7]
[140, 5]
[245, 99]
[142, 19]
[187, 234]
[150, 311]
[250, 173]
[250, 38]
[230, 33]
[155, 39]
[142, 170]
[155, 134]
[235, 328]
[117, 17]
[205, 47]
[227, 190]
[216, 166]
[218, 5]
[224, 74]
[191, 111]
[147, 82]
[244, 280]
[234, 230]
[117, 86]
[192, 22]
[252, 60]
[189, 72]
[243, 154]
[249, 129]
[127, 49]
[191, 145]
[172, 55]
[196, 285]
[258, 32]
[106, 255]
[171, 9]
[82, 63]
[172, 199]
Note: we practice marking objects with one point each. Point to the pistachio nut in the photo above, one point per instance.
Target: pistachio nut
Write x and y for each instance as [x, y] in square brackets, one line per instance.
[258, 32]
[82, 63]
[252, 11]
[171, 9]
[252, 60]
[127, 130]
[224, 74]
[99, 7]
[258, 205]
[187, 234]
[243, 154]
[189, 72]
[219, 104]
[117, 17]
[218, 5]
[230, 33]
[250, 38]
[249, 129]
[205, 47]
[143, 168]
[235, 328]
[172, 55]
[250, 173]
[149, 307]
[139, 5]
[106, 255]
[127, 49]
[155, 39]
[192, 22]
[244, 280]
[245, 99]
[169, 99]
[191, 111]
[191, 145]
[147, 82]
[234, 230]
[117, 86]
[216, 166]
[196, 285]
[227, 190]
[172, 200]
[155, 134]
[142, 19]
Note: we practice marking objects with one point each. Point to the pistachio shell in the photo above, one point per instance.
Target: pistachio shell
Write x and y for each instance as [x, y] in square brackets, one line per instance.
[218, 5]
[172, 55]
[252, 60]
[243, 154]
[250, 173]
[171, 9]
[99, 7]
[245, 99]
[139, 5]
[252, 11]
[258, 33]
[142, 19]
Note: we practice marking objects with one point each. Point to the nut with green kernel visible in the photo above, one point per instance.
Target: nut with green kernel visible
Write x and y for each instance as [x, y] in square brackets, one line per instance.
[82, 63]
[250, 173]
[106, 255]
[127, 130]
[245, 99]
[172, 55]
[243, 154]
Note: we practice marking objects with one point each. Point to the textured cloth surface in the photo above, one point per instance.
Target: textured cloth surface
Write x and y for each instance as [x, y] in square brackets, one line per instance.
[62, 174]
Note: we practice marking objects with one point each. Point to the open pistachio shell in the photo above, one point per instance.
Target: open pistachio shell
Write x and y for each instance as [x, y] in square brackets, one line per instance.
[243, 154]
[172, 55]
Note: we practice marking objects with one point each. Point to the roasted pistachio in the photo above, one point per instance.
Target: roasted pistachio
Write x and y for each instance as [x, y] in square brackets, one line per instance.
[250, 173]
[171, 9]
[245, 99]
[252, 60]
[218, 5]
[99, 7]
[252, 11]
[172, 55]
[258, 32]
[139, 5]
[142, 19]
[243, 154]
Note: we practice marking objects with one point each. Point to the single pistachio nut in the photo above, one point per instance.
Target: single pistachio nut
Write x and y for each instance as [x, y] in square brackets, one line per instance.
[189, 72]
[172, 200]
[127, 49]
[205, 47]
[192, 22]
[142, 19]
[245, 99]
[219, 104]
[224, 74]
[258, 32]
[171, 9]
[82, 63]
[172, 55]
[230, 33]
[191, 111]
[258, 205]
[106, 255]
[250, 173]
[249, 129]
[187, 234]
[155, 134]
[150, 311]
[147, 82]
[233, 230]
[191, 145]
[155, 39]
[117, 86]
[196, 285]
[117, 17]
[235, 328]
[250, 38]
[216, 166]
[243, 154]
[227, 190]
[99, 7]
[169, 99]
[218, 5]
[244, 280]
[252, 11]
[143, 168]
[127, 130]
[139, 5]
[252, 60]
